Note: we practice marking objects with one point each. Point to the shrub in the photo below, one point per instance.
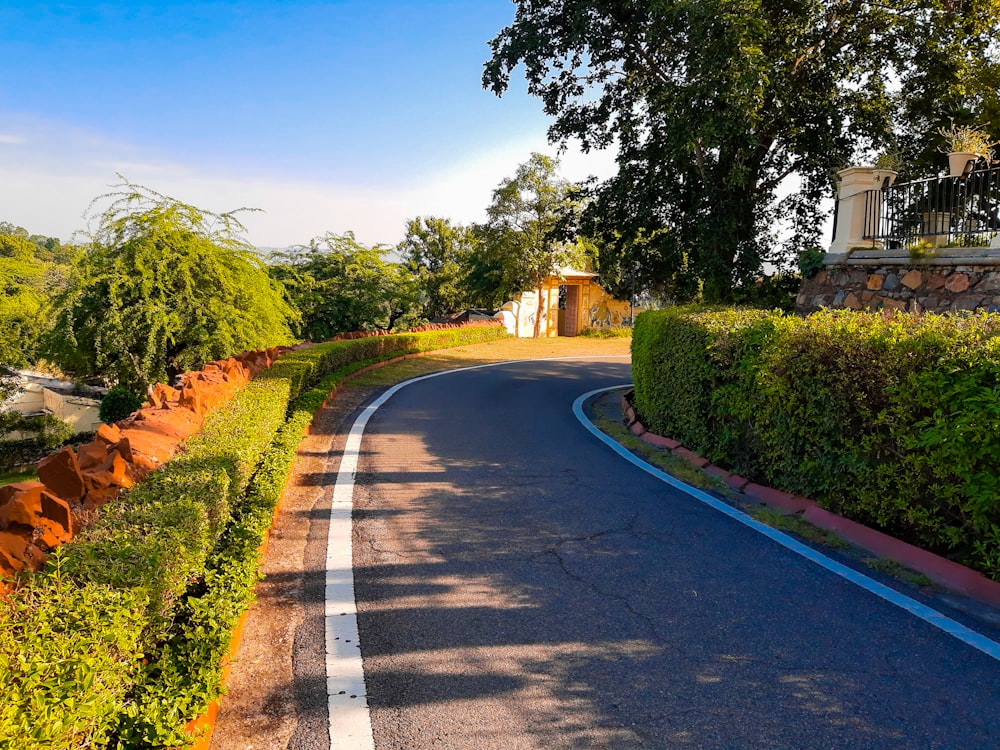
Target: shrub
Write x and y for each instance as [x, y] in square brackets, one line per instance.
[120, 641]
[118, 404]
[607, 332]
[891, 422]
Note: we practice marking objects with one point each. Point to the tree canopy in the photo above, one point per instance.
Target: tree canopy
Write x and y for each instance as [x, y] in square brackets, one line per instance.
[524, 241]
[341, 285]
[437, 252]
[714, 104]
[161, 287]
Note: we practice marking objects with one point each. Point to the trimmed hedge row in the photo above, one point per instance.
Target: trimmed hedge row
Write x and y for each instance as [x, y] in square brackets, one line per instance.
[119, 642]
[893, 422]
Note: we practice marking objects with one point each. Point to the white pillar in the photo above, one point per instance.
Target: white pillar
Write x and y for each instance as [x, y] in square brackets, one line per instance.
[855, 182]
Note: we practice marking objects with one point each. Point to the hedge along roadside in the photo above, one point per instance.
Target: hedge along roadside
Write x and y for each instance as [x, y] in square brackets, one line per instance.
[894, 422]
[119, 642]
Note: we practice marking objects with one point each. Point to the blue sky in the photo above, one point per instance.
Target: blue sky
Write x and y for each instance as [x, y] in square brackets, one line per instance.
[328, 116]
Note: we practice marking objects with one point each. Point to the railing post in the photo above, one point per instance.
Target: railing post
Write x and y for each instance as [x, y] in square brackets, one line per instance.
[852, 222]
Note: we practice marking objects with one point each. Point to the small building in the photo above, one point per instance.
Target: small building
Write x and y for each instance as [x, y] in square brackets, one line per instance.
[40, 394]
[571, 300]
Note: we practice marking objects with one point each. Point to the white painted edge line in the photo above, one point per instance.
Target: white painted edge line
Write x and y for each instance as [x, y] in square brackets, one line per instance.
[347, 700]
[915, 608]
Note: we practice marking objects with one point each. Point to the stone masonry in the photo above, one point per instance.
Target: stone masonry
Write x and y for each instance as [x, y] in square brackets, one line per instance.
[905, 286]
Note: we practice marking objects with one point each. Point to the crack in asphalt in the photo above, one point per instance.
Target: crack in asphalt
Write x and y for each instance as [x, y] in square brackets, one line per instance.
[626, 603]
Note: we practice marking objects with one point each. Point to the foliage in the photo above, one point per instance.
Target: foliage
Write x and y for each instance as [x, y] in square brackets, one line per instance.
[712, 104]
[810, 262]
[437, 253]
[23, 295]
[775, 292]
[119, 642]
[163, 286]
[893, 422]
[39, 434]
[521, 242]
[967, 139]
[607, 332]
[339, 285]
[118, 404]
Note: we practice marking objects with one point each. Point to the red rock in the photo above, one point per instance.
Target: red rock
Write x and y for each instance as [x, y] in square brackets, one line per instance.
[60, 473]
[109, 434]
[13, 549]
[875, 282]
[124, 448]
[93, 454]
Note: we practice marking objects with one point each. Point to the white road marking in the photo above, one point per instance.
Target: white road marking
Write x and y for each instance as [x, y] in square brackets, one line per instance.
[915, 608]
[347, 699]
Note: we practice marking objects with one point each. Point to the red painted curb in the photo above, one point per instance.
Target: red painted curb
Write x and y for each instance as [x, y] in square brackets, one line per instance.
[691, 457]
[715, 471]
[783, 500]
[737, 482]
[939, 569]
[659, 441]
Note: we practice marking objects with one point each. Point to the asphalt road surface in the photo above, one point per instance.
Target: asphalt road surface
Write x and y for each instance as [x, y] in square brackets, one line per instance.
[520, 585]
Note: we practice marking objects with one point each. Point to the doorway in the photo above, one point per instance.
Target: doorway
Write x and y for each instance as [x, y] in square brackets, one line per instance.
[569, 309]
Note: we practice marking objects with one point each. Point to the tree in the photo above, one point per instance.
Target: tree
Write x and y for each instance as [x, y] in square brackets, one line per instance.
[713, 104]
[437, 253]
[162, 287]
[522, 241]
[340, 285]
[23, 298]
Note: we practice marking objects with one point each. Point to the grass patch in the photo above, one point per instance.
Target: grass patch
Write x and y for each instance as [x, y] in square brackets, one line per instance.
[662, 459]
[896, 570]
[798, 526]
[24, 475]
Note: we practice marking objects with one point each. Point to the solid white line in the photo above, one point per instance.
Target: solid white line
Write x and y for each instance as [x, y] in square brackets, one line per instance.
[915, 608]
[347, 700]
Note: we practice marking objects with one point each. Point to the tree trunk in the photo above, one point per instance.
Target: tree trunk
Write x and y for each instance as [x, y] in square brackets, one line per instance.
[538, 314]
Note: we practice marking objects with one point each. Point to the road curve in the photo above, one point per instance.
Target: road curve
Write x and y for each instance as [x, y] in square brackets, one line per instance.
[520, 585]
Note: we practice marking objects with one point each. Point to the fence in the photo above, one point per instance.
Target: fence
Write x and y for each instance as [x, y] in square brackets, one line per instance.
[957, 211]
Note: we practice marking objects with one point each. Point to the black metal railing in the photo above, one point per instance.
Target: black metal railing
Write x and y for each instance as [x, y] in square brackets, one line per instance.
[957, 211]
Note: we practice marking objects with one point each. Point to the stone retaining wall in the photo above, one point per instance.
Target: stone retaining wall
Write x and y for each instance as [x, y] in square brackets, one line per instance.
[875, 280]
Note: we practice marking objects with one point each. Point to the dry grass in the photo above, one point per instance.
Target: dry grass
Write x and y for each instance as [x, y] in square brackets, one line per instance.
[495, 351]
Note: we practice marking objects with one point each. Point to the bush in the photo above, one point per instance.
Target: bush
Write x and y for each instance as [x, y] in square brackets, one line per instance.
[47, 433]
[118, 404]
[120, 641]
[607, 332]
[891, 422]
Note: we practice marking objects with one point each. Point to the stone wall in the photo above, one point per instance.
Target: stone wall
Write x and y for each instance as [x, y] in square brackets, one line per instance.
[875, 280]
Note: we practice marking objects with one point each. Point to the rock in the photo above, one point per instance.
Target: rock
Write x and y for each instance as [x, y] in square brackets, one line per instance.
[967, 302]
[93, 454]
[109, 433]
[957, 283]
[60, 473]
[896, 305]
[891, 282]
[913, 279]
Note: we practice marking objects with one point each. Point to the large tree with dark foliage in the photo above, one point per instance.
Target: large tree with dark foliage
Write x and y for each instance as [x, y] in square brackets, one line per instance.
[714, 104]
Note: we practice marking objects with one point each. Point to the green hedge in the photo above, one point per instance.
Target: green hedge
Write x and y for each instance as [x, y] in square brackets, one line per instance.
[119, 642]
[895, 423]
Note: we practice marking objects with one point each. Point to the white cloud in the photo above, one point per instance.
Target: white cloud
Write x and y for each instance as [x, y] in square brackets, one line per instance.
[15, 140]
[50, 185]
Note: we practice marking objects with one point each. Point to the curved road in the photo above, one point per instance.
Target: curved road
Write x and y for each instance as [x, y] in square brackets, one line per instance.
[519, 585]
